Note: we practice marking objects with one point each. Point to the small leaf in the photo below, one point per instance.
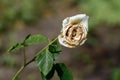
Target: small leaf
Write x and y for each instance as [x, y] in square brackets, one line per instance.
[34, 39]
[63, 72]
[55, 49]
[49, 75]
[45, 61]
[30, 40]
[15, 47]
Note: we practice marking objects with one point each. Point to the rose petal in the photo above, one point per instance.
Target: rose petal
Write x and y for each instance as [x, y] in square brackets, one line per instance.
[65, 21]
[62, 42]
[85, 22]
[77, 18]
[83, 42]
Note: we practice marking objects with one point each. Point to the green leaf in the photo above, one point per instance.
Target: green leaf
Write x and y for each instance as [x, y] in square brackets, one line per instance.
[45, 61]
[55, 49]
[63, 72]
[15, 47]
[35, 39]
[30, 40]
[49, 75]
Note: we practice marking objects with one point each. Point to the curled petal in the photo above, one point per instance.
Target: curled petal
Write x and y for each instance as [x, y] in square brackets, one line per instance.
[77, 18]
[62, 42]
[65, 21]
[84, 21]
[83, 42]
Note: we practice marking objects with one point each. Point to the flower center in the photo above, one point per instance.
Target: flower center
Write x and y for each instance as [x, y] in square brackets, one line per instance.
[74, 34]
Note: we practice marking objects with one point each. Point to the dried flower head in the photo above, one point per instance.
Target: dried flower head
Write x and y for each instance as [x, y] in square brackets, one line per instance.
[74, 31]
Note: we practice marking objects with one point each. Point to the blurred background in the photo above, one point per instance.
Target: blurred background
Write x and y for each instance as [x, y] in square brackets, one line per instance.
[97, 59]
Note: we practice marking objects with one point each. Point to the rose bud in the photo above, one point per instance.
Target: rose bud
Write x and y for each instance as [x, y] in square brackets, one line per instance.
[74, 31]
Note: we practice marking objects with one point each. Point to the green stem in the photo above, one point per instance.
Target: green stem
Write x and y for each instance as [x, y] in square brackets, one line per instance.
[33, 59]
[22, 68]
[18, 72]
[47, 46]
[24, 56]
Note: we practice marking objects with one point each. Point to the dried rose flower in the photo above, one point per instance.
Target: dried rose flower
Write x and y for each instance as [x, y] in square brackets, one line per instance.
[74, 31]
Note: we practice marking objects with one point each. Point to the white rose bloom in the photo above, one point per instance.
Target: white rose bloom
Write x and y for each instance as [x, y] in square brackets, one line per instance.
[74, 31]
